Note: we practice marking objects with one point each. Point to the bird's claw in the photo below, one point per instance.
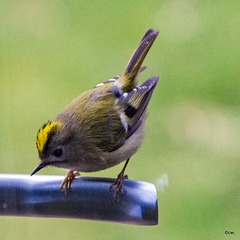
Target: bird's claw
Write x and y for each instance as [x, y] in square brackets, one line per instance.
[118, 183]
[68, 180]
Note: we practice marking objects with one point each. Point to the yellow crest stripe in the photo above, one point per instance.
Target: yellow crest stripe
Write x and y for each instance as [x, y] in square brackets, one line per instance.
[44, 132]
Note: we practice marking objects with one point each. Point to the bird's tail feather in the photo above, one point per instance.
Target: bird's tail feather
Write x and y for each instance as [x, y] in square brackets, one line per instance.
[129, 78]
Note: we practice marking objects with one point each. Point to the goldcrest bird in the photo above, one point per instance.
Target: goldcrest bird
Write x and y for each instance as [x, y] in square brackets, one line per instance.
[103, 126]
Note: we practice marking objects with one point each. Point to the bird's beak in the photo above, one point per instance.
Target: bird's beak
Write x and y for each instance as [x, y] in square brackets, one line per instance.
[40, 166]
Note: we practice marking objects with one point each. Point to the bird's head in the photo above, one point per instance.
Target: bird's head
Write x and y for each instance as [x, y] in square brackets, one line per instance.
[53, 143]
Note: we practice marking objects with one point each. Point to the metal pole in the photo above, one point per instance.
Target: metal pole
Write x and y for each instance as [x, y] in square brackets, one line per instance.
[90, 198]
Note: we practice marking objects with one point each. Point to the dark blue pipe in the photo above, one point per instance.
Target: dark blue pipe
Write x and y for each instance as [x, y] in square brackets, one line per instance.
[90, 198]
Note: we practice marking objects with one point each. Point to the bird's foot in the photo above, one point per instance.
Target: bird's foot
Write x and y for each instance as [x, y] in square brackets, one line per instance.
[118, 183]
[68, 180]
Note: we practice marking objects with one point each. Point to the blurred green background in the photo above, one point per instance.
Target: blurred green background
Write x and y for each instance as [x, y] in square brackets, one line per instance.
[51, 51]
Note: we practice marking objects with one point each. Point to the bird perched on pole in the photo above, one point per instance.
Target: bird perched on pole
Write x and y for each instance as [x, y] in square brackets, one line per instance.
[103, 126]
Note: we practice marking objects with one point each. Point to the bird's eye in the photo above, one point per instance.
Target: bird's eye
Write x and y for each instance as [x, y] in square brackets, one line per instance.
[58, 152]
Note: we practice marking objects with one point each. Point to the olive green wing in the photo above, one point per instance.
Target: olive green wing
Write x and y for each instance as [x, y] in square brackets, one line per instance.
[132, 107]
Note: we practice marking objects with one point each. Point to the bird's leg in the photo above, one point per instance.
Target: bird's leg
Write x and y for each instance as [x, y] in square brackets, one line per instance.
[68, 180]
[119, 181]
